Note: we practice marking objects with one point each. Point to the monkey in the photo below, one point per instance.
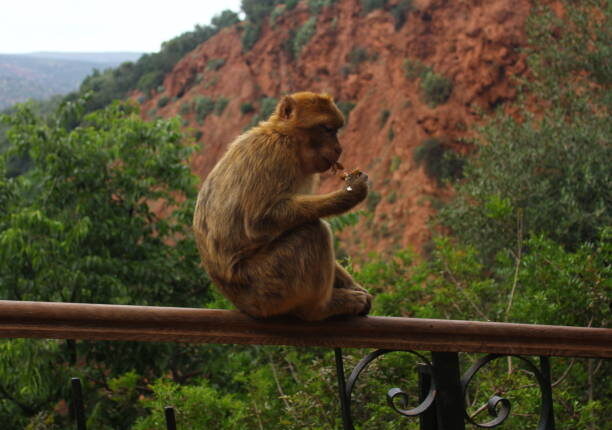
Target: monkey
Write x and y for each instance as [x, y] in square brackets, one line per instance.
[258, 226]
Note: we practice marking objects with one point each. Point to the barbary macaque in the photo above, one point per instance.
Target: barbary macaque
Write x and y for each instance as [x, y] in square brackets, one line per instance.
[259, 228]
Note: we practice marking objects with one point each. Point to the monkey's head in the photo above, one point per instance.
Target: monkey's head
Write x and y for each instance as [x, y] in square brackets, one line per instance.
[313, 120]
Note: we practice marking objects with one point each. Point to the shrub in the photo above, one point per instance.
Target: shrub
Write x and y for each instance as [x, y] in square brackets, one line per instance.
[277, 12]
[250, 36]
[439, 163]
[203, 106]
[291, 4]
[246, 108]
[345, 107]
[399, 12]
[395, 163]
[384, 116]
[358, 55]
[372, 200]
[303, 35]
[368, 6]
[215, 64]
[163, 101]
[185, 109]
[256, 10]
[268, 104]
[225, 19]
[197, 135]
[220, 105]
[436, 88]
[414, 69]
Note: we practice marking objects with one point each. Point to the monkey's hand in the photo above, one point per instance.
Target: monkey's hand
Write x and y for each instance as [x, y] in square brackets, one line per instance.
[356, 182]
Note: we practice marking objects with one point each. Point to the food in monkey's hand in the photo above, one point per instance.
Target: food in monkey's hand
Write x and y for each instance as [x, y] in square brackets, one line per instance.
[348, 175]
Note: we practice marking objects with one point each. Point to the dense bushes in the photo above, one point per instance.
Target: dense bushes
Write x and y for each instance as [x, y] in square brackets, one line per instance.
[303, 35]
[436, 88]
[440, 163]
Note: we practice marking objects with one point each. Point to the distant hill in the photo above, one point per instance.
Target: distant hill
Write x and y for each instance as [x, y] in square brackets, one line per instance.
[41, 75]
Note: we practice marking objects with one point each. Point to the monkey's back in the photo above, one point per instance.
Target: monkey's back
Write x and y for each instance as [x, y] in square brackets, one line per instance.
[236, 194]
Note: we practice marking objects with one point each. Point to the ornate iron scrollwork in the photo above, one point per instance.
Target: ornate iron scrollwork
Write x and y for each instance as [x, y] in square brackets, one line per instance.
[499, 407]
[394, 395]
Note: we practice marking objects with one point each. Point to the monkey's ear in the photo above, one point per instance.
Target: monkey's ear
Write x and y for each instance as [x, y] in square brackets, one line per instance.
[286, 108]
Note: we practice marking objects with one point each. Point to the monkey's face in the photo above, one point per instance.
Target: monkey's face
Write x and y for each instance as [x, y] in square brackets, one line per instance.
[321, 149]
[313, 120]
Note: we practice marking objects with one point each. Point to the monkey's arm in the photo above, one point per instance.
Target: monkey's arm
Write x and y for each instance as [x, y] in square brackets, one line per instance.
[299, 209]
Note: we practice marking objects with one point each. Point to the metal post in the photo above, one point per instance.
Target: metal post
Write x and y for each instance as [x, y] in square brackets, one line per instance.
[547, 392]
[170, 420]
[427, 420]
[77, 404]
[347, 423]
[449, 401]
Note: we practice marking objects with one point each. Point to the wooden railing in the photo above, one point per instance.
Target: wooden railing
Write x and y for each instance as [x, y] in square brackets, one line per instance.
[444, 338]
[140, 323]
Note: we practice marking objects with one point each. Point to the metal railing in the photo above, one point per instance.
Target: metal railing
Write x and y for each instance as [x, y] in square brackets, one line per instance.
[442, 387]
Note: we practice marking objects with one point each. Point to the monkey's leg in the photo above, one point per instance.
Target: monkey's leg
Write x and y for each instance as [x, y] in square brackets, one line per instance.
[342, 279]
[343, 301]
[295, 275]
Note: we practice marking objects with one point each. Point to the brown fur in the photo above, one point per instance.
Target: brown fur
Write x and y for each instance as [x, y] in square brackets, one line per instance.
[258, 226]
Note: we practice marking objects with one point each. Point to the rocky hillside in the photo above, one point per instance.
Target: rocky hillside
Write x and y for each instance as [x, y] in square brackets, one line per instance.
[411, 74]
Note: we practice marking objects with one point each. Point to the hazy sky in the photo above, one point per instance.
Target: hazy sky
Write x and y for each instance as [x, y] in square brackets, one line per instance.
[95, 26]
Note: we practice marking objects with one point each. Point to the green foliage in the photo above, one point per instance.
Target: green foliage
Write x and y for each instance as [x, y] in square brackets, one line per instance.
[291, 4]
[346, 107]
[372, 200]
[355, 58]
[146, 74]
[215, 64]
[436, 88]
[395, 163]
[256, 10]
[439, 162]
[399, 12]
[198, 406]
[303, 35]
[227, 18]
[368, 6]
[277, 12]
[250, 36]
[185, 108]
[79, 227]
[384, 116]
[163, 101]
[220, 105]
[246, 108]
[414, 69]
[316, 6]
[267, 105]
[203, 106]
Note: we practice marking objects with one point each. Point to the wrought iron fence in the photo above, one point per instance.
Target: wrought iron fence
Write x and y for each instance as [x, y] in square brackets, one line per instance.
[442, 389]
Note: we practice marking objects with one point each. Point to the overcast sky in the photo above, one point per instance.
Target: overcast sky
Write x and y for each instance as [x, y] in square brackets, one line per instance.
[100, 26]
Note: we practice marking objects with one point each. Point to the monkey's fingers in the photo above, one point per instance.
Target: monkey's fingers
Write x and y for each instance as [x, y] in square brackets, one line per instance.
[347, 175]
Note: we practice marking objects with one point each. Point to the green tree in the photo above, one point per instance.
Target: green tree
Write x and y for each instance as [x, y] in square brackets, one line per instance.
[546, 173]
[102, 216]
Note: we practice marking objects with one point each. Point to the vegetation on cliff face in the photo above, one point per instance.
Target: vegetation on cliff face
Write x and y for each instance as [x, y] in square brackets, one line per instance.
[527, 239]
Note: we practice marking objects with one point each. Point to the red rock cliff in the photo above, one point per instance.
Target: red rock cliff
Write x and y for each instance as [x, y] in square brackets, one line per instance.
[473, 43]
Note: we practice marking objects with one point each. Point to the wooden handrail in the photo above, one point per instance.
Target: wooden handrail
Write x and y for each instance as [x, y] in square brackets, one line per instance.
[143, 323]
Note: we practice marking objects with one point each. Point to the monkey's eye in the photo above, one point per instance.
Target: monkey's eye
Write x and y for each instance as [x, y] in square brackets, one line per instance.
[329, 129]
